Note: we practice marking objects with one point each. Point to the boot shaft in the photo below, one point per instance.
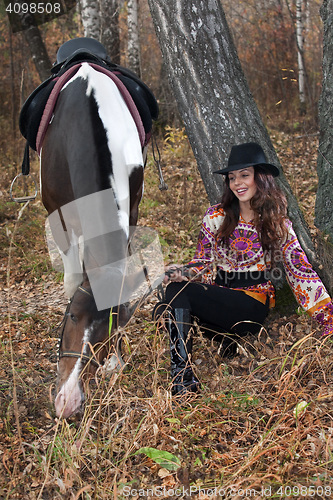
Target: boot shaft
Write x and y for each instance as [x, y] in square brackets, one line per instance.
[180, 331]
[179, 326]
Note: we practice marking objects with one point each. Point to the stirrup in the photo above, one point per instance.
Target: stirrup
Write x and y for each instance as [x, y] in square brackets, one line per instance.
[23, 199]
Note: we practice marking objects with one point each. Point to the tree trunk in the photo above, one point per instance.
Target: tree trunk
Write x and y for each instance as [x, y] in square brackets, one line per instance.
[133, 47]
[90, 18]
[36, 45]
[12, 86]
[213, 96]
[300, 62]
[324, 200]
[303, 81]
[109, 15]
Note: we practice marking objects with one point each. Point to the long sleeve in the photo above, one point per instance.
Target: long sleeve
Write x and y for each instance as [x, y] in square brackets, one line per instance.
[202, 261]
[305, 283]
[243, 253]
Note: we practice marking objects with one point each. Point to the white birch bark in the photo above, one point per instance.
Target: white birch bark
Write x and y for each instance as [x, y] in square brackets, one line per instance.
[133, 47]
[90, 18]
[300, 60]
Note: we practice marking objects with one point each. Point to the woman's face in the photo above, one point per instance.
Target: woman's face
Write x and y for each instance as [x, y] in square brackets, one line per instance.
[242, 184]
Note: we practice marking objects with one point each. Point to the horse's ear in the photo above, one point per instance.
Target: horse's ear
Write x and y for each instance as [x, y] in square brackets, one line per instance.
[85, 280]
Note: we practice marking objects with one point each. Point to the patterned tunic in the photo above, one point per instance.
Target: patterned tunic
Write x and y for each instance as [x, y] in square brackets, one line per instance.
[245, 253]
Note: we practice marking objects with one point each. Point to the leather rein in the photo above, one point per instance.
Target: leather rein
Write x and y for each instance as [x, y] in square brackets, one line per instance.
[73, 354]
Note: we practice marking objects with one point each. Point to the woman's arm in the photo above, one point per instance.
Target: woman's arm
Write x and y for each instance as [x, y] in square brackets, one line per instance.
[305, 283]
[202, 263]
[200, 268]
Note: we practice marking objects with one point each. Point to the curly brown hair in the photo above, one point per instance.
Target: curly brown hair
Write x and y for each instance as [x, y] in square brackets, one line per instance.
[270, 208]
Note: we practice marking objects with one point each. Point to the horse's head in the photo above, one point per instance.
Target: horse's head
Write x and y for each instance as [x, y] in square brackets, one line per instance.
[87, 337]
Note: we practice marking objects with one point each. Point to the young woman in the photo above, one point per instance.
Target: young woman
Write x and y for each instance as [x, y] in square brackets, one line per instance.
[241, 243]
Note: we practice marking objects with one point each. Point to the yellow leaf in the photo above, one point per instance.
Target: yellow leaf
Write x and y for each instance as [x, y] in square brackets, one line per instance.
[163, 473]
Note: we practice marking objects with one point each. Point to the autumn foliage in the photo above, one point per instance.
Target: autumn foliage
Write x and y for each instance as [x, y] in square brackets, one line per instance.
[264, 33]
[263, 419]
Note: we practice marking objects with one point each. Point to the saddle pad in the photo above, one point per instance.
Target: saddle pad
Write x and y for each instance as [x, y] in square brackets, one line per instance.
[49, 108]
[32, 111]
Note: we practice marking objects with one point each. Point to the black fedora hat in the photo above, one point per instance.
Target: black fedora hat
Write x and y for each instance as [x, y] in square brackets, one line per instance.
[245, 155]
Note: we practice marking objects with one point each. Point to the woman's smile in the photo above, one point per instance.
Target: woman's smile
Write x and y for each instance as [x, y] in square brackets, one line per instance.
[241, 191]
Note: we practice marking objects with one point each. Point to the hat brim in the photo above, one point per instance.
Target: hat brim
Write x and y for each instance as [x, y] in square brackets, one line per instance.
[273, 169]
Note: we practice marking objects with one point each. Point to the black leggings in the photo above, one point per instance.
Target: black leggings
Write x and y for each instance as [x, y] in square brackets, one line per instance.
[215, 305]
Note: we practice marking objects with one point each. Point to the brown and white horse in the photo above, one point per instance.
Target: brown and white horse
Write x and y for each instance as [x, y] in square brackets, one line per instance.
[92, 163]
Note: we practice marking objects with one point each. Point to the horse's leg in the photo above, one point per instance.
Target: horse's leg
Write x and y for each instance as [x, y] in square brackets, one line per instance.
[136, 191]
[63, 219]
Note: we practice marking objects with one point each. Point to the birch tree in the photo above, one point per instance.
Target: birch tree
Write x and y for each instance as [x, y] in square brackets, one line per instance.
[300, 57]
[100, 21]
[38, 51]
[133, 45]
[90, 16]
[324, 199]
[303, 80]
[109, 15]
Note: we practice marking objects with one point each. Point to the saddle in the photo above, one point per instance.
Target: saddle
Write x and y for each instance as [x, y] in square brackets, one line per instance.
[39, 106]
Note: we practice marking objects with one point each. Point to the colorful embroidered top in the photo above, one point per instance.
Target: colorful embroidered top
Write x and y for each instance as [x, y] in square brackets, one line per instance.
[245, 253]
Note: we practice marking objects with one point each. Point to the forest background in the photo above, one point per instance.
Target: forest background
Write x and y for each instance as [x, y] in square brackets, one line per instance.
[263, 418]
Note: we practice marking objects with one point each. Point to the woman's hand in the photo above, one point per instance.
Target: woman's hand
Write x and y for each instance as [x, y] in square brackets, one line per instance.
[173, 273]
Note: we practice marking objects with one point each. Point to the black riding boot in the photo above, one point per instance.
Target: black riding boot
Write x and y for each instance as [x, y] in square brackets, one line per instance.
[179, 325]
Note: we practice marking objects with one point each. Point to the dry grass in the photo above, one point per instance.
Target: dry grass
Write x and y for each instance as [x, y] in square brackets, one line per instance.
[262, 419]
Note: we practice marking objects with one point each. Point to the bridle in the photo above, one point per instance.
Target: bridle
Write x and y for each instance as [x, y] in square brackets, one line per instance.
[73, 354]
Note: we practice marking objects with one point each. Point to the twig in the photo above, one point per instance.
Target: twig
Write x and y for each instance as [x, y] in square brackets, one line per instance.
[306, 135]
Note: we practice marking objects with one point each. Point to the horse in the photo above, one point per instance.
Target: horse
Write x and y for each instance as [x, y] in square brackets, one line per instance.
[92, 158]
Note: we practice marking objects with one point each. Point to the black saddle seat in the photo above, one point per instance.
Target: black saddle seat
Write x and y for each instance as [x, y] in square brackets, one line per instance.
[68, 48]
